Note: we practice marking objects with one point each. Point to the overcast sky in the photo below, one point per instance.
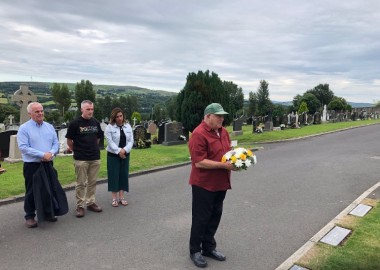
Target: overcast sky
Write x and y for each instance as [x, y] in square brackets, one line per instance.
[293, 45]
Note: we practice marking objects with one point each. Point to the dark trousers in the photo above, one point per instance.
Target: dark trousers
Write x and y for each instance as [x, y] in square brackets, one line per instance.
[207, 208]
[29, 207]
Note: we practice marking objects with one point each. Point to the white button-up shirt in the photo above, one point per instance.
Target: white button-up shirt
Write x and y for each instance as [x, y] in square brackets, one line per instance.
[112, 135]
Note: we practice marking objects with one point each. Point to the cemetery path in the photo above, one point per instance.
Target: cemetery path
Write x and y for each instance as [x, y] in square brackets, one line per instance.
[295, 189]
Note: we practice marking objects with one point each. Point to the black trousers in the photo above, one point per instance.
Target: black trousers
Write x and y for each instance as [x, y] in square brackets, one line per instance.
[207, 208]
[29, 207]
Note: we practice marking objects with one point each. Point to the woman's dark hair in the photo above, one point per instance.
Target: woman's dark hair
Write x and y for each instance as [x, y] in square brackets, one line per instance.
[114, 113]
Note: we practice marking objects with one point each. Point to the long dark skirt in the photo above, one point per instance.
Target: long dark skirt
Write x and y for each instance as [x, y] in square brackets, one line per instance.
[118, 173]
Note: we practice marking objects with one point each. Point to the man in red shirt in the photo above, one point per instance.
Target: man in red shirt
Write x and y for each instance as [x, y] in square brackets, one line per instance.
[210, 180]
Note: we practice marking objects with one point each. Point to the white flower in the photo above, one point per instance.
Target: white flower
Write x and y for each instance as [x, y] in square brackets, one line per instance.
[240, 158]
[238, 163]
[248, 162]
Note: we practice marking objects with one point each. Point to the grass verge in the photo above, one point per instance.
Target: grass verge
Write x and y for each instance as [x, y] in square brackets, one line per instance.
[360, 251]
[12, 182]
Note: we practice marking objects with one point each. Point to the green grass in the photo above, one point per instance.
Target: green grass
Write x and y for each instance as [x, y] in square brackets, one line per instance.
[248, 137]
[361, 251]
[3, 101]
[12, 182]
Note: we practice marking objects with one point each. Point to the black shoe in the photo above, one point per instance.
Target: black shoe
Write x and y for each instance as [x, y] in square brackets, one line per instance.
[214, 254]
[52, 219]
[31, 223]
[198, 260]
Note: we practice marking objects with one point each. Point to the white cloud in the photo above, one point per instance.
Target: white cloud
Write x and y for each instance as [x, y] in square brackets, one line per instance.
[294, 45]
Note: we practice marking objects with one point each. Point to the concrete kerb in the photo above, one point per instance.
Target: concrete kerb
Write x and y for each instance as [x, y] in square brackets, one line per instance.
[286, 265]
[20, 198]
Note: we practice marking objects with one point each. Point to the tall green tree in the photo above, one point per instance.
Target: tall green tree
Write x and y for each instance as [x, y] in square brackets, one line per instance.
[264, 104]
[135, 118]
[62, 97]
[337, 104]
[297, 102]
[303, 108]
[201, 89]
[252, 108]
[312, 102]
[84, 91]
[236, 97]
[130, 105]
[171, 107]
[323, 93]
[7, 110]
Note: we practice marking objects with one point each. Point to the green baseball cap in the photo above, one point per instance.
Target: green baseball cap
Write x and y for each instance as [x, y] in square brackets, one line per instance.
[214, 108]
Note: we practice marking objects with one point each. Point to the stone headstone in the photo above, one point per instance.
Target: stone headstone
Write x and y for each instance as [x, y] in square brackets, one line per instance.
[317, 118]
[5, 138]
[174, 134]
[237, 127]
[324, 114]
[11, 117]
[152, 128]
[14, 151]
[62, 140]
[2, 127]
[361, 210]
[141, 138]
[296, 267]
[161, 132]
[103, 125]
[335, 236]
[268, 126]
[23, 97]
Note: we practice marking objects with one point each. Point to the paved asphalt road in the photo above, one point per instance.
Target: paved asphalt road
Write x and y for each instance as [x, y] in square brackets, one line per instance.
[273, 209]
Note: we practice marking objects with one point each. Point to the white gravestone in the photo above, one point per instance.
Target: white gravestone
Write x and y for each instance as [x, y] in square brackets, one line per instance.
[324, 114]
[11, 117]
[62, 140]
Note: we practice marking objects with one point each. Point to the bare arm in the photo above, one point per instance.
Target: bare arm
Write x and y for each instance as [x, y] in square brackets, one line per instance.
[70, 144]
[210, 164]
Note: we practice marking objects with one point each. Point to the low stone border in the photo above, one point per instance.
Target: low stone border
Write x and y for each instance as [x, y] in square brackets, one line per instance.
[286, 265]
[20, 198]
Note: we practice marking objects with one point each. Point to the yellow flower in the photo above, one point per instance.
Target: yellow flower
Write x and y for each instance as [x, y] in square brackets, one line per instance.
[224, 159]
[249, 153]
[243, 157]
[233, 159]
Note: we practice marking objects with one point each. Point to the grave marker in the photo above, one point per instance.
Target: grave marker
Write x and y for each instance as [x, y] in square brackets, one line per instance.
[335, 236]
[23, 97]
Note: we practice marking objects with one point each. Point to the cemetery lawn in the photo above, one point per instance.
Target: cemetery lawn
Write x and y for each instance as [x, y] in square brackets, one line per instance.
[249, 137]
[12, 182]
[360, 251]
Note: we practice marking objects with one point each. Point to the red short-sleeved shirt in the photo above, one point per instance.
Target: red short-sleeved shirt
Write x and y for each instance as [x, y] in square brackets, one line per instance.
[204, 143]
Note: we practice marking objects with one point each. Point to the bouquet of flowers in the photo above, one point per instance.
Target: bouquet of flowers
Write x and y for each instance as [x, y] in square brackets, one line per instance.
[240, 157]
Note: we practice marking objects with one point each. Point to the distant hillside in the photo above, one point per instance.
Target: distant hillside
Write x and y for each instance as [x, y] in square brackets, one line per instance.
[360, 105]
[43, 87]
[146, 98]
[353, 104]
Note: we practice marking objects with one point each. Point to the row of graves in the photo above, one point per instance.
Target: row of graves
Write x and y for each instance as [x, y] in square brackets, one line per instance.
[295, 120]
[147, 132]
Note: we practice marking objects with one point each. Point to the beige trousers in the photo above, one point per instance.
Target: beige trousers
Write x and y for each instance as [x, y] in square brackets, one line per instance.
[87, 174]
